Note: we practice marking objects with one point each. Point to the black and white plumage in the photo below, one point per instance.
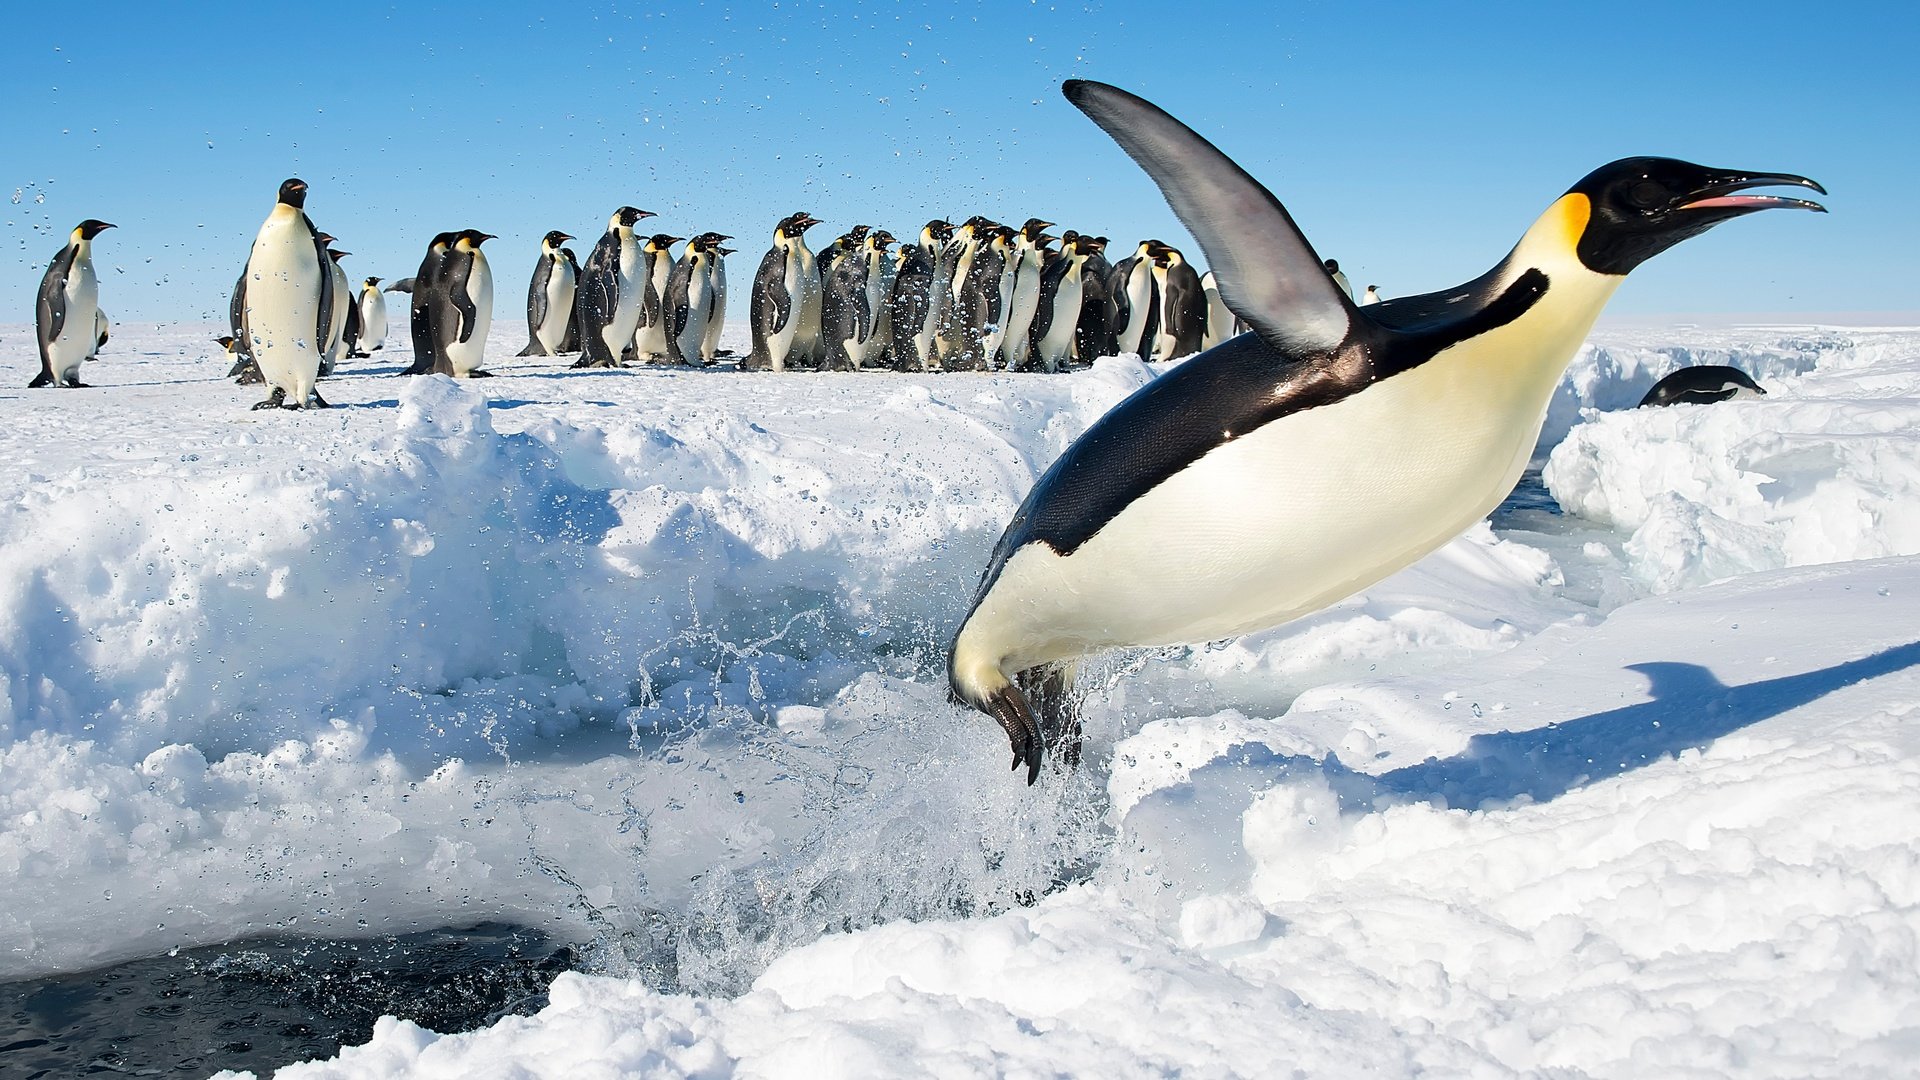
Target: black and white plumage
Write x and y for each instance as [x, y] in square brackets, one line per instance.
[550, 296]
[650, 333]
[1333, 445]
[373, 319]
[424, 291]
[911, 320]
[464, 297]
[978, 307]
[853, 301]
[1056, 319]
[1094, 337]
[1026, 262]
[66, 311]
[1372, 296]
[289, 302]
[339, 340]
[785, 305]
[1702, 384]
[1183, 306]
[607, 298]
[692, 300]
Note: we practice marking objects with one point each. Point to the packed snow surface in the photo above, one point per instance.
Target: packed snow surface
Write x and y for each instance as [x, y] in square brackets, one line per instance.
[653, 659]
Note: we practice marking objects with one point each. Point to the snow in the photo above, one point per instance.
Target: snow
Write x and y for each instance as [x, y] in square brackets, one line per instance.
[653, 660]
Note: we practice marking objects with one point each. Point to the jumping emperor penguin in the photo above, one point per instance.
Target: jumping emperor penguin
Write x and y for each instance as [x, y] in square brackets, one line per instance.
[1333, 445]
[66, 315]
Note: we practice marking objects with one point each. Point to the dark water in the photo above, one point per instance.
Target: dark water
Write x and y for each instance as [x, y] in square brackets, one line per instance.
[261, 1004]
[1529, 494]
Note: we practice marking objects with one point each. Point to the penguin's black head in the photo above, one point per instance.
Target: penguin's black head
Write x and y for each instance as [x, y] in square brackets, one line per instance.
[940, 228]
[293, 192]
[326, 238]
[627, 215]
[1640, 207]
[859, 232]
[662, 241]
[474, 236]
[795, 225]
[881, 239]
[724, 251]
[91, 228]
[370, 282]
[444, 239]
[556, 238]
[225, 341]
[1033, 227]
[336, 254]
[1333, 266]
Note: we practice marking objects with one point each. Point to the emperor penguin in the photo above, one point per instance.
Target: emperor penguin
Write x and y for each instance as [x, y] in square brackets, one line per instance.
[1340, 279]
[1325, 450]
[1183, 305]
[289, 306]
[102, 329]
[1702, 384]
[424, 289]
[689, 300]
[957, 338]
[608, 297]
[343, 309]
[466, 306]
[1133, 303]
[650, 333]
[1372, 296]
[244, 371]
[1056, 319]
[717, 321]
[911, 314]
[373, 318]
[982, 300]
[1094, 337]
[786, 295]
[66, 313]
[845, 244]
[1221, 323]
[550, 297]
[850, 309]
[1027, 260]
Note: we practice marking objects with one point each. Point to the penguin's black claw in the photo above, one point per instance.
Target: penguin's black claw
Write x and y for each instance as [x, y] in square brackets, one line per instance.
[76, 384]
[273, 401]
[40, 380]
[1009, 708]
[479, 374]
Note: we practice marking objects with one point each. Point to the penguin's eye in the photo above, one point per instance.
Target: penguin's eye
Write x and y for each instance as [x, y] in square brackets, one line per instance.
[1647, 195]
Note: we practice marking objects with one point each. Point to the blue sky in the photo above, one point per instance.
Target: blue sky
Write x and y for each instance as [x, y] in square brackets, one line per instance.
[1412, 142]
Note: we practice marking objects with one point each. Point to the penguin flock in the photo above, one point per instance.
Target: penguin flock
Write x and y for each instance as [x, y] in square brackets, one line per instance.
[980, 296]
[1315, 445]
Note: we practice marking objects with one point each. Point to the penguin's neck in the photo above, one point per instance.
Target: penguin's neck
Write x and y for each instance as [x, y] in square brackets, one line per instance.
[1575, 295]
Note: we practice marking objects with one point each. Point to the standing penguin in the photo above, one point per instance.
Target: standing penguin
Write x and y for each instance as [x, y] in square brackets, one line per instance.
[466, 307]
[343, 310]
[373, 319]
[850, 310]
[550, 297]
[102, 328]
[424, 288]
[1094, 337]
[1133, 301]
[289, 307]
[66, 311]
[244, 371]
[1028, 260]
[717, 321]
[1056, 319]
[983, 293]
[1329, 448]
[1221, 323]
[650, 333]
[786, 295]
[1183, 305]
[1340, 279]
[608, 297]
[690, 299]
[911, 308]
[1372, 297]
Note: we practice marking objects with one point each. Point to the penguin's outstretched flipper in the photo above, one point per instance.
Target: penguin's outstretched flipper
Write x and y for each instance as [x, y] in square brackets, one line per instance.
[1268, 273]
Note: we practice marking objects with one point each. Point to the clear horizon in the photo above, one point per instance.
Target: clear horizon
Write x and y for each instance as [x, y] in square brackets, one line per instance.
[1413, 145]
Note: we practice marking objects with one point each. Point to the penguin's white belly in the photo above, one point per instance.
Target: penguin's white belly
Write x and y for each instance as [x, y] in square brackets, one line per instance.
[807, 301]
[699, 299]
[373, 320]
[789, 337]
[560, 291]
[626, 313]
[1276, 524]
[1139, 296]
[717, 315]
[283, 307]
[337, 329]
[468, 356]
[78, 332]
[1024, 305]
[1058, 344]
[651, 338]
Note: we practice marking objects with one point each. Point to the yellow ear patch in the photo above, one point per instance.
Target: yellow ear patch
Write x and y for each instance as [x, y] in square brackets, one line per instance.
[1573, 211]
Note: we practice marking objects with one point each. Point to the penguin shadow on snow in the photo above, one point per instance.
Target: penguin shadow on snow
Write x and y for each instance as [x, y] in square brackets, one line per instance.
[1690, 709]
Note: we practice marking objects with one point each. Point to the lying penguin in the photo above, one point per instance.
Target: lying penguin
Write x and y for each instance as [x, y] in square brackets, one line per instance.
[1702, 384]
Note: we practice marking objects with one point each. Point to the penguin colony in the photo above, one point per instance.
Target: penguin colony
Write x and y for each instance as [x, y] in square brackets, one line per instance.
[980, 296]
[1316, 445]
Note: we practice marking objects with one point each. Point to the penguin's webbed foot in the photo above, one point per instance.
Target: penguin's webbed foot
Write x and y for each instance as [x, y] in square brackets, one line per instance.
[1009, 708]
[315, 401]
[274, 400]
[76, 384]
[41, 380]
[476, 374]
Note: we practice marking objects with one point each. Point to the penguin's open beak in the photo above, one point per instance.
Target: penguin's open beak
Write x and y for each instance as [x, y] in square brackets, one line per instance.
[1722, 194]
